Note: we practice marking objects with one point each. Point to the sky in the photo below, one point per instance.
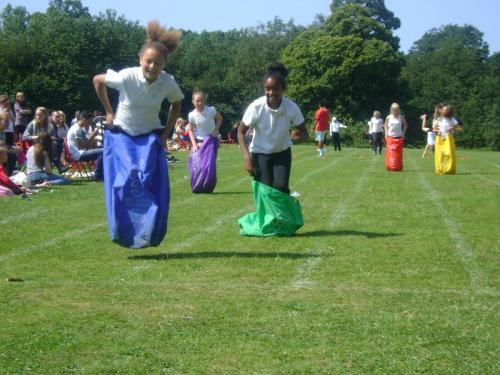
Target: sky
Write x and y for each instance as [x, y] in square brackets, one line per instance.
[417, 16]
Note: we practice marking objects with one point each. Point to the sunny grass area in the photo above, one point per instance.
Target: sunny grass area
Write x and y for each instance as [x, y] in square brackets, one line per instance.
[393, 273]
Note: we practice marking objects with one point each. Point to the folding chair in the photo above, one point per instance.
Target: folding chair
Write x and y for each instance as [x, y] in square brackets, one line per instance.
[77, 169]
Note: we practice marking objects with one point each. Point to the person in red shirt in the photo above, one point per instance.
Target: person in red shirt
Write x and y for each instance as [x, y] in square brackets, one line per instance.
[321, 126]
[7, 187]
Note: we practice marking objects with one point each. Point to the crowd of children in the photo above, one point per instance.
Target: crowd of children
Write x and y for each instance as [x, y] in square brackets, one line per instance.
[137, 187]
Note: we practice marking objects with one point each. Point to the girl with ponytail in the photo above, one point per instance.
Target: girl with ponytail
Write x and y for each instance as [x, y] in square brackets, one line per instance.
[135, 167]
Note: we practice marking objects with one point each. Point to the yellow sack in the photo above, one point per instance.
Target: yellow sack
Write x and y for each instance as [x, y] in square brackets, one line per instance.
[444, 155]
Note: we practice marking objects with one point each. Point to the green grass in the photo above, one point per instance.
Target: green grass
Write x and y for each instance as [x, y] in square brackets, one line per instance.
[392, 273]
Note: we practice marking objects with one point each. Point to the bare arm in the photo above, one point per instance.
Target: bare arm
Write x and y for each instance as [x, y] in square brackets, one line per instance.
[218, 123]
[173, 114]
[303, 134]
[102, 94]
[424, 127]
[247, 158]
[190, 129]
[385, 127]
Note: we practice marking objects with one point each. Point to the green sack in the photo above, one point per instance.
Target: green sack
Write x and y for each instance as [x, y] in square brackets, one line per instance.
[277, 213]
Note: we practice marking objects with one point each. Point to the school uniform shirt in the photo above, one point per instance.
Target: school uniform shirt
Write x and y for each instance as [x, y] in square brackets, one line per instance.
[376, 125]
[271, 126]
[321, 117]
[74, 133]
[445, 125]
[394, 126]
[140, 101]
[204, 122]
[335, 126]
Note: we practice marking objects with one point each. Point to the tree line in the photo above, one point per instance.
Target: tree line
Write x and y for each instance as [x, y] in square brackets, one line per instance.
[351, 58]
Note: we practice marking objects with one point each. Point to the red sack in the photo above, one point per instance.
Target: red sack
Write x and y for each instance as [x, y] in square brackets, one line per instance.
[394, 154]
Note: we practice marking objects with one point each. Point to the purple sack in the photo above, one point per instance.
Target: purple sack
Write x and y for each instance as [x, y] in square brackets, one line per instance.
[203, 167]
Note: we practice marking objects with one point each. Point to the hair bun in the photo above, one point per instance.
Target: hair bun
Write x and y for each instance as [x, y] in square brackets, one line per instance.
[278, 68]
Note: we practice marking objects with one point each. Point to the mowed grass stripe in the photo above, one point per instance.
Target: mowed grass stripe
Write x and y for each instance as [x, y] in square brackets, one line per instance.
[464, 252]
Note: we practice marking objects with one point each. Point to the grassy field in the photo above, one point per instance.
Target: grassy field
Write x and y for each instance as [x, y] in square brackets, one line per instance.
[392, 273]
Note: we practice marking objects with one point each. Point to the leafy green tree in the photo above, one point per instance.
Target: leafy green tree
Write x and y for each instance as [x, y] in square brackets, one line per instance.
[351, 61]
[376, 7]
[450, 65]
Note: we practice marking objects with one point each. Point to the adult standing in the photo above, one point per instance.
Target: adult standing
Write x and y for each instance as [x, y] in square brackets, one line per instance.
[22, 115]
[335, 126]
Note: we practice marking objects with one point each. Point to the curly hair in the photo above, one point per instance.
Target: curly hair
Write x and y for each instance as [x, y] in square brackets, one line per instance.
[278, 72]
[160, 39]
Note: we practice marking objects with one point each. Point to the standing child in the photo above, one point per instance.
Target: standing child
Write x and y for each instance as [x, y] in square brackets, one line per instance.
[269, 158]
[135, 167]
[203, 127]
[431, 135]
[321, 126]
[376, 129]
[444, 156]
[335, 126]
[395, 127]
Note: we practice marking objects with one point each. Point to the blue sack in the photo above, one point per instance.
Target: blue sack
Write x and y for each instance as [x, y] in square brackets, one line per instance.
[136, 188]
[202, 166]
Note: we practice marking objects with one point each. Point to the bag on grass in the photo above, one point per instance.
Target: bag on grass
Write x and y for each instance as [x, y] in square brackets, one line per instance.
[277, 213]
[202, 166]
[136, 188]
[394, 154]
[444, 155]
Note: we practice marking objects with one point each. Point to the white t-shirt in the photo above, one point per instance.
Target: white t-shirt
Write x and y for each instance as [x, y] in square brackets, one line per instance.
[204, 122]
[394, 126]
[74, 133]
[445, 125]
[375, 125]
[272, 126]
[335, 126]
[140, 102]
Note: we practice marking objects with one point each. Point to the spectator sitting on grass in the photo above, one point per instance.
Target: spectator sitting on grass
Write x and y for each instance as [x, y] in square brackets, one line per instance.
[39, 166]
[7, 187]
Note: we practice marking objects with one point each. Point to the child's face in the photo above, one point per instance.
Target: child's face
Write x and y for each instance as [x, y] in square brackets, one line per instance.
[273, 92]
[198, 101]
[39, 116]
[152, 63]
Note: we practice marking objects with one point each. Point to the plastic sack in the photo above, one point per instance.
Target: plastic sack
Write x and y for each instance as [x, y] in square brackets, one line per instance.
[277, 213]
[202, 166]
[136, 189]
[394, 154]
[444, 155]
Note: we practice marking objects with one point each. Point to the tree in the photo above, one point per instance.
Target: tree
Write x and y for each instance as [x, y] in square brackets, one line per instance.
[449, 65]
[351, 61]
[377, 9]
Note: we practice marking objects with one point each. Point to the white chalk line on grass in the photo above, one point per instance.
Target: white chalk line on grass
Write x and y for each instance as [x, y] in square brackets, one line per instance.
[51, 242]
[465, 253]
[304, 271]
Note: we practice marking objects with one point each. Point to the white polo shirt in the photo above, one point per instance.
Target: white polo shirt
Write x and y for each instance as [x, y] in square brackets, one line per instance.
[140, 102]
[272, 126]
[203, 121]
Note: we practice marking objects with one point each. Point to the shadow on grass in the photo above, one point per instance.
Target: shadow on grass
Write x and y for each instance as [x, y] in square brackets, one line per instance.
[222, 254]
[327, 233]
[231, 192]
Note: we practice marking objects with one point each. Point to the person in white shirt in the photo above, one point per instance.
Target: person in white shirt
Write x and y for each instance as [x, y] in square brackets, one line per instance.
[376, 129]
[431, 135]
[135, 166]
[395, 125]
[335, 126]
[268, 158]
[81, 144]
[445, 126]
[204, 120]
